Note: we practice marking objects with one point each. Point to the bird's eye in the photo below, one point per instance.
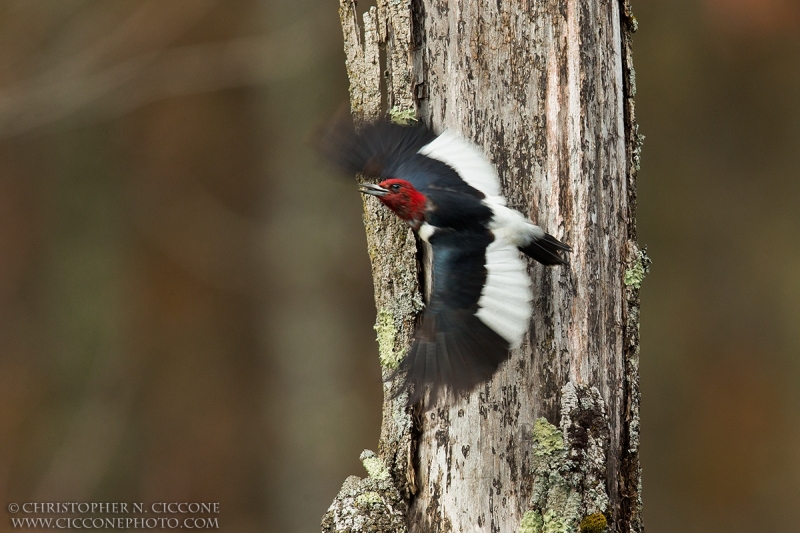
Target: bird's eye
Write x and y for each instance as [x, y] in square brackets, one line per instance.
[395, 187]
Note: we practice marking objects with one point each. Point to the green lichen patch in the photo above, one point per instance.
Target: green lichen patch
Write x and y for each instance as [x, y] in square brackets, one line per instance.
[554, 502]
[532, 522]
[402, 116]
[551, 522]
[635, 275]
[369, 498]
[568, 464]
[554, 523]
[387, 335]
[374, 465]
[594, 523]
[547, 438]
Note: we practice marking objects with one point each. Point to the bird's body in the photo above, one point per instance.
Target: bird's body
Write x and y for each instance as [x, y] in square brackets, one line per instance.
[447, 191]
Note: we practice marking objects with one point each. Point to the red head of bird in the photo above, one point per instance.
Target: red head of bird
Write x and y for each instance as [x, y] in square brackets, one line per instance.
[401, 197]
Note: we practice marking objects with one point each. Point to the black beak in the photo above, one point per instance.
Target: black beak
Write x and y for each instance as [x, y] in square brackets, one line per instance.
[374, 190]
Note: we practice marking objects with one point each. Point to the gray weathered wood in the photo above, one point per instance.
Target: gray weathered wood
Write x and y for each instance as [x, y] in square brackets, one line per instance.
[546, 88]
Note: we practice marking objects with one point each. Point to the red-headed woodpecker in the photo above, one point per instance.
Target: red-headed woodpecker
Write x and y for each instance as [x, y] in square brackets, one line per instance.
[448, 192]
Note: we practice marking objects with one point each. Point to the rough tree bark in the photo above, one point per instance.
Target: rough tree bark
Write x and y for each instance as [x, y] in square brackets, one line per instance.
[551, 443]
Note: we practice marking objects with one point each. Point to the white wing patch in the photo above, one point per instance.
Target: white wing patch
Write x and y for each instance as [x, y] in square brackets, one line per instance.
[468, 161]
[513, 226]
[505, 302]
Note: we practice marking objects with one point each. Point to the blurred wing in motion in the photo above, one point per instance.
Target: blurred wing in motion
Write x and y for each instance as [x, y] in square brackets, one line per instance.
[383, 149]
[378, 149]
[479, 309]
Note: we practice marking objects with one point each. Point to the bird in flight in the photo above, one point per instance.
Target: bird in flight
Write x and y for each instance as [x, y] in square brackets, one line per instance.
[448, 192]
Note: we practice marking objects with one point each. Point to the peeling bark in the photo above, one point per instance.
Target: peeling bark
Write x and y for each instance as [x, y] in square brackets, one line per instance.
[546, 88]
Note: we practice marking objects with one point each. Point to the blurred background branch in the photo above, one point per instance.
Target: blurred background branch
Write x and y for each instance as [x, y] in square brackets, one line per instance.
[88, 87]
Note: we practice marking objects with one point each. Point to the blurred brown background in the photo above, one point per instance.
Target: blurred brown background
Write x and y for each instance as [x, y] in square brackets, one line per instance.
[185, 300]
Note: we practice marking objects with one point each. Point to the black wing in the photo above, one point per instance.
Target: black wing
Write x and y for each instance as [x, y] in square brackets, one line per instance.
[453, 348]
[383, 149]
[377, 149]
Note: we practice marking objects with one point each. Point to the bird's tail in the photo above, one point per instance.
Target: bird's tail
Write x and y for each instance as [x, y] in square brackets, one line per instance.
[547, 250]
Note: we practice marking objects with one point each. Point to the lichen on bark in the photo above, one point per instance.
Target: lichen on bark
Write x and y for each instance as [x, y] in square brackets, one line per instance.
[638, 270]
[366, 505]
[569, 464]
[389, 354]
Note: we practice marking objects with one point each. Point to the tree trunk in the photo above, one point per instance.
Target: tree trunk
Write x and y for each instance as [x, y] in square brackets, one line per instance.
[551, 443]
